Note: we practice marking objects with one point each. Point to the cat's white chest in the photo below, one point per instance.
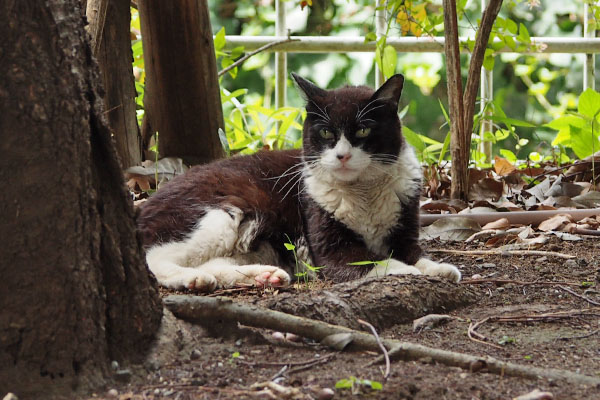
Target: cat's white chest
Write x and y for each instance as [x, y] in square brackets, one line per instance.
[370, 213]
[370, 208]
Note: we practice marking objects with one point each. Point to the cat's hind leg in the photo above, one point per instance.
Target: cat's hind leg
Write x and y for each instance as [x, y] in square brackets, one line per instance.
[228, 273]
[433, 268]
[163, 262]
[175, 264]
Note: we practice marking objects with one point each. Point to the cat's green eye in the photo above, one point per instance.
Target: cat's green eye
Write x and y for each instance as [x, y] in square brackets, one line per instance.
[326, 134]
[362, 133]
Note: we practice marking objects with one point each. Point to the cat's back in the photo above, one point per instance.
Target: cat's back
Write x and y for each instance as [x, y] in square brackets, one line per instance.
[250, 182]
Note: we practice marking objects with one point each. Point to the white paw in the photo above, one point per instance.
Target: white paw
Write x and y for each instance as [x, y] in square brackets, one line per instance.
[433, 268]
[272, 276]
[392, 267]
[193, 280]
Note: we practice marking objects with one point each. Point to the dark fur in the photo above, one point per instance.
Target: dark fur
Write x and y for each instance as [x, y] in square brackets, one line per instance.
[251, 183]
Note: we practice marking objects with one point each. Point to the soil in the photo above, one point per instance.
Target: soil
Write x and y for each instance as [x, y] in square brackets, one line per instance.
[239, 367]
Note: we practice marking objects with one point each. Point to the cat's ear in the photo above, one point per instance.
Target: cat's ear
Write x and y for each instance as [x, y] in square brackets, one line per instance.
[391, 90]
[309, 90]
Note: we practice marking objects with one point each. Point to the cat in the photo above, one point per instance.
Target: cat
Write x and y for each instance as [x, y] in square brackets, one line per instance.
[350, 195]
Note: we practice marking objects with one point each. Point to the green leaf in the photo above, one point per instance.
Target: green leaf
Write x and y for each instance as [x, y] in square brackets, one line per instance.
[220, 39]
[509, 155]
[488, 60]
[589, 103]
[523, 34]
[370, 37]
[344, 384]
[389, 61]
[362, 263]
[501, 134]
[583, 142]
[510, 121]
[413, 139]
[289, 246]
[444, 147]
[376, 385]
[511, 26]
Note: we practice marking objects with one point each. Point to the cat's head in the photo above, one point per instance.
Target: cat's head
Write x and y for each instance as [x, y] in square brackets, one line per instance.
[351, 132]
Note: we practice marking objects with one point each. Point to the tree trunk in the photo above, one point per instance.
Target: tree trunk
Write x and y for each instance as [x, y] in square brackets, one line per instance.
[75, 290]
[114, 57]
[462, 106]
[181, 100]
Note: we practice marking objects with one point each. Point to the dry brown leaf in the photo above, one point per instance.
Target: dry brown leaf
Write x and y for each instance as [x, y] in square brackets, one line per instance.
[503, 167]
[142, 182]
[456, 228]
[502, 239]
[555, 223]
[486, 189]
[501, 223]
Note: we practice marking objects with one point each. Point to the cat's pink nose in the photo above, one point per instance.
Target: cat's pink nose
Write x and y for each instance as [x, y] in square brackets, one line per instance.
[344, 157]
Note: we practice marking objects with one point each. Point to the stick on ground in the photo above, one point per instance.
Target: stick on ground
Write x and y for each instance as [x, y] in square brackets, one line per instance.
[208, 309]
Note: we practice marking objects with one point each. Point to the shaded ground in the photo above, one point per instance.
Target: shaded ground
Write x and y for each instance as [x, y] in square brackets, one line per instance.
[227, 368]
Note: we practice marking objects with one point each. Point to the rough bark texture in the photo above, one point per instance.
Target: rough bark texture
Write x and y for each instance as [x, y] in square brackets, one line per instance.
[383, 302]
[462, 107]
[460, 154]
[181, 98]
[75, 290]
[114, 57]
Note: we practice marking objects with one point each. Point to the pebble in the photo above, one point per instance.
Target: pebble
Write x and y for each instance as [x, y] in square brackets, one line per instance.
[114, 365]
[196, 354]
[112, 393]
[325, 394]
[238, 342]
[123, 375]
[476, 276]
[488, 265]
[571, 263]
[278, 336]
[10, 396]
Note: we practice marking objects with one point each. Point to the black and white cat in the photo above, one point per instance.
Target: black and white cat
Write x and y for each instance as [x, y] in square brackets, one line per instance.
[351, 194]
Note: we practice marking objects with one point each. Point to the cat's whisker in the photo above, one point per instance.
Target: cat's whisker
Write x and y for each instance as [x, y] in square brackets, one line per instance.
[369, 110]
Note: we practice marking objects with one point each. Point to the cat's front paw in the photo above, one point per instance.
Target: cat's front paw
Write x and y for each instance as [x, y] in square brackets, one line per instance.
[392, 267]
[433, 268]
[272, 276]
[193, 280]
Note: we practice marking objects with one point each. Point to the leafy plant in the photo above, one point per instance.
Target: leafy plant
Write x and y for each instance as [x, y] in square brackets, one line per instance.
[355, 385]
[580, 130]
[306, 266]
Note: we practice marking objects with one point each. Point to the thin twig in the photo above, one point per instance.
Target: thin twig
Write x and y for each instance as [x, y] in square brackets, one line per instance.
[569, 290]
[550, 316]
[381, 346]
[289, 363]
[240, 61]
[503, 253]
[507, 281]
[590, 232]
[587, 335]
[478, 337]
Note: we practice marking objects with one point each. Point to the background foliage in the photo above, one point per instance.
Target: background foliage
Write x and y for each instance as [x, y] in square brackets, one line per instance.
[535, 105]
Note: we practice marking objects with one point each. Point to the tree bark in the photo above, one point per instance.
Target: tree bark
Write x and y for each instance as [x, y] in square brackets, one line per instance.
[114, 57]
[75, 290]
[181, 100]
[462, 107]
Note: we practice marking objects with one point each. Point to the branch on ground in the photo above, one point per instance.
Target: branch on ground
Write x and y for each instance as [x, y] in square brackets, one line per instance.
[208, 309]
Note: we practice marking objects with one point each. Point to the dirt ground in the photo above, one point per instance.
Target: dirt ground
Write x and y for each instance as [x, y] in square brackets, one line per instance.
[238, 368]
